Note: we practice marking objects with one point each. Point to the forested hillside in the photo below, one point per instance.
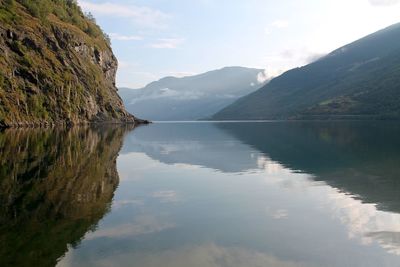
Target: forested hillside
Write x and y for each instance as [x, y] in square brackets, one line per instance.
[359, 80]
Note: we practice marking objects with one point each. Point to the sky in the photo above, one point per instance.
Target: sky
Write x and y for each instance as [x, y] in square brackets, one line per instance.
[157, 38]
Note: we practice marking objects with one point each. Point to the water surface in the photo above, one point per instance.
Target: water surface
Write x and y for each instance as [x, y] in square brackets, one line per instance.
[202, 194]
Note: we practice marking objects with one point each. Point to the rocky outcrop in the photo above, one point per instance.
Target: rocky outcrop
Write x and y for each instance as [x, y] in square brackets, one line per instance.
[55, 68]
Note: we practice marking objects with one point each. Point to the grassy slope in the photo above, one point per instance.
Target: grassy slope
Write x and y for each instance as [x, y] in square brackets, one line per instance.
[358, 80]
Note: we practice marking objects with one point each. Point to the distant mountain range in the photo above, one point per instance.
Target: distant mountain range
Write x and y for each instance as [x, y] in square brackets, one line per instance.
[358, 80]
[192, 97]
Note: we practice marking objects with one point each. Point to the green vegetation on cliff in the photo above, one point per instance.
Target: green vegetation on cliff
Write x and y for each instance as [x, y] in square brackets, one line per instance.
[66, 10]
[56, 66]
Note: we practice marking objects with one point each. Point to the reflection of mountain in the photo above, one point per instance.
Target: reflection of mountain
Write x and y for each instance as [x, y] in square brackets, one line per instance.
[201, 144]
[54, 187]
[361, 158]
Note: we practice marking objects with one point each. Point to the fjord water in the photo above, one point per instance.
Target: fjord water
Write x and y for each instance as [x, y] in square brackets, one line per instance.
[202, 194]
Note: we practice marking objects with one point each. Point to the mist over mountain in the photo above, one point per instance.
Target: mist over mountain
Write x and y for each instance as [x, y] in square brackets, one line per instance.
[193, 97]
[358, 80]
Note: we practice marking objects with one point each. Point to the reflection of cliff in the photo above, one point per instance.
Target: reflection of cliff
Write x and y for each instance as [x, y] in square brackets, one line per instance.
[361, 158]
[54, 187]
[201, 144]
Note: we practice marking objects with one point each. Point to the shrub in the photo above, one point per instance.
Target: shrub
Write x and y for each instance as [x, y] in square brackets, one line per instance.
[2, 81]
[38, 8]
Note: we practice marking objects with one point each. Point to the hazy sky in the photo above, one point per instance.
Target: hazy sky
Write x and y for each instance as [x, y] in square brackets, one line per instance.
[157, 38]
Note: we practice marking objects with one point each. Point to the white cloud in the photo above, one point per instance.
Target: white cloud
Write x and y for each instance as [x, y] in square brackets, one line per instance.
[127, 65]
[167, 43]
[120, 37]
[384, 2]
[140, 15]
[130, 75]
[280, 24]
[312, 57]
[277, 24]
[268, 73]
[302, 55]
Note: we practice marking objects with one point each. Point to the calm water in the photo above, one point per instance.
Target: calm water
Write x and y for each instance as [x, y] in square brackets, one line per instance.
[202, 195]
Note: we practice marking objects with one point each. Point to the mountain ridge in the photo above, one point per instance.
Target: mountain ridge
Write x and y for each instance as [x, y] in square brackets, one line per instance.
[357, 80]
[191, 97]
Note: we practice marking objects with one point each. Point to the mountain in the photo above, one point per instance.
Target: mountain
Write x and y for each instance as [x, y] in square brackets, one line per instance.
[358, 80]
[56, 66]
[192, 97]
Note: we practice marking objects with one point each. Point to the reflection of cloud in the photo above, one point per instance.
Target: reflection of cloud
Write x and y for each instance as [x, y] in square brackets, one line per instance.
[165, 196]
[130, 202]
[143, 224]
[209, 255]
[278, 214]
[388, 240]
[166, 148]
[270, 167]
[365, 220]
[360, 220]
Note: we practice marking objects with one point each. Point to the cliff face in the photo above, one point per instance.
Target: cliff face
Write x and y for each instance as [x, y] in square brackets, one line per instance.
[56, 66]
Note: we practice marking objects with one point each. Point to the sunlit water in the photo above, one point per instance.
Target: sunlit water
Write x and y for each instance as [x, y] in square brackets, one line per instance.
[202, 194]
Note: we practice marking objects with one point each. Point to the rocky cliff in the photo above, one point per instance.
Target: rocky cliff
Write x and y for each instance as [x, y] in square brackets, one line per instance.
[56, 66]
